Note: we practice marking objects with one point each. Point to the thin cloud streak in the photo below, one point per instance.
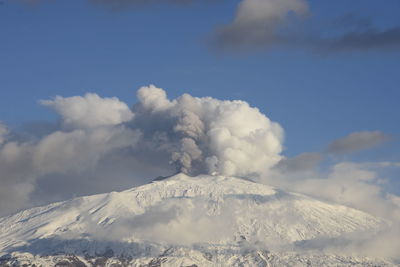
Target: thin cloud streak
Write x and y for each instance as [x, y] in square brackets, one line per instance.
[357, 141]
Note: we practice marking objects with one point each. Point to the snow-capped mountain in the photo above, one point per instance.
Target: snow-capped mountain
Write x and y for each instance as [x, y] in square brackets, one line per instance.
[185, 221]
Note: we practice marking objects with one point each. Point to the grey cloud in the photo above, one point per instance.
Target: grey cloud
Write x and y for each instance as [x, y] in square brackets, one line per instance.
[259, 23]
[357, 141]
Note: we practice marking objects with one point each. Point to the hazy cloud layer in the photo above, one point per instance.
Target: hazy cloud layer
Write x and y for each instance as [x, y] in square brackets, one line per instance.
[63, 153]
[91, 138]
[357, 141]
[358, 185]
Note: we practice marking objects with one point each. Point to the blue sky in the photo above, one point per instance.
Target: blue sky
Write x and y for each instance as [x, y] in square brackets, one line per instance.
[72, 47]
[68, 48]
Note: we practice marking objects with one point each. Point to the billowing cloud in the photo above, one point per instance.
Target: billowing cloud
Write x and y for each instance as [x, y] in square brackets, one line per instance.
[104, 145]
[89, 111]
[357, 141]
[259, 23]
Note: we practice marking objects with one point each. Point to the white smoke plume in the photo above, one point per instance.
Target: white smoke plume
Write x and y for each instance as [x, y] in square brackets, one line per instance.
[206, 135]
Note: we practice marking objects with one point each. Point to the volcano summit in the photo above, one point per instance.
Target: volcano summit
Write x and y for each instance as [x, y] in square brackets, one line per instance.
[186, 221]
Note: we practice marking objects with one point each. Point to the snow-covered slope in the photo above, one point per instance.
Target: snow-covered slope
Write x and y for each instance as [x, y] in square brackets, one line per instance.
[211, 215]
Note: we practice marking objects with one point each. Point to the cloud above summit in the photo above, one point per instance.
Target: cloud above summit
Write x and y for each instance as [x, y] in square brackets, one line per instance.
[99, 139]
